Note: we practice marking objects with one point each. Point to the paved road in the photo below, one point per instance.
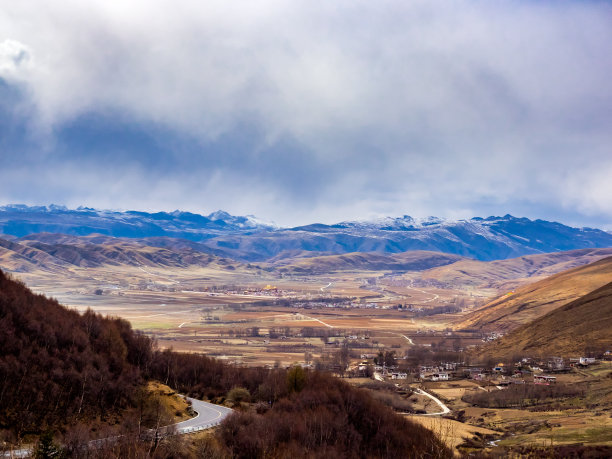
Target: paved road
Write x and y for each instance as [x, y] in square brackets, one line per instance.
[445, 409]
[208, 415]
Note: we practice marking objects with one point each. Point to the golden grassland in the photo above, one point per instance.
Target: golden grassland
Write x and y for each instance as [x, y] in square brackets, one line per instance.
[537, 299]
[452, 432]
[173, 403]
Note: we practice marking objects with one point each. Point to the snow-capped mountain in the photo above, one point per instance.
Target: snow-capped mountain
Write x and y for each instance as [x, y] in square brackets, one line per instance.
[20, 220]
[247, 238]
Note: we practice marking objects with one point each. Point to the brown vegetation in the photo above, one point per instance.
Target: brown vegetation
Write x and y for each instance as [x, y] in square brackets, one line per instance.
[535, 300]
[582, 327]
[522, 395]
[327, 418]
[56, 364]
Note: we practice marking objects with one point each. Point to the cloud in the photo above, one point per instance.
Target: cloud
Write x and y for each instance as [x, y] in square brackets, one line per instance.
[15, 58]
[311, 110]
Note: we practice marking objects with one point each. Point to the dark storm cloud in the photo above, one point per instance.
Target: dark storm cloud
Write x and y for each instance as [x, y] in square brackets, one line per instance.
[301, 111]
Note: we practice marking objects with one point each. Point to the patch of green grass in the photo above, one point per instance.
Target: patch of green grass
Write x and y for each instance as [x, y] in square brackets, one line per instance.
[593, 436]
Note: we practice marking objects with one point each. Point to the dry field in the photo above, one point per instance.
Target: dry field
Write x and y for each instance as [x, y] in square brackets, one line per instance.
[452, 432]
[202, 309]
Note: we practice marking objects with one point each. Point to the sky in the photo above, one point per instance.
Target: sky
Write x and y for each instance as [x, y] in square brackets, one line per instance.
[310, 111]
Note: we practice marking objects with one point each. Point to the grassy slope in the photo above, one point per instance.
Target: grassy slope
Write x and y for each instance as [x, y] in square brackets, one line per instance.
[57, 255]
[405, 261]
[582, 325]
[534, 300]
[510, 273]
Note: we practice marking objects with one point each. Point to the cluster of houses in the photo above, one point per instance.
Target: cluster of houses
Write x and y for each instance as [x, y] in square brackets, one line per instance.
[542, 371]
[337, 305]
[492, 336]
[442, 372]
[391, 371]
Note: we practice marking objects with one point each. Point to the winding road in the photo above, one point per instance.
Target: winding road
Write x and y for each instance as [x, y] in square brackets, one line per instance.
[207, 416]
[445, 409]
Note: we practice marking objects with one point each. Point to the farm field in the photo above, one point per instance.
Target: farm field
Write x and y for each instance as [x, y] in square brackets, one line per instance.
[230, 314]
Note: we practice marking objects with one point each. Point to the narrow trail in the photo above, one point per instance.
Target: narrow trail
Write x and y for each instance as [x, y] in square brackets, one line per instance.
[157, 275]
[317, 320]
[433, 298]
[160, 314]
[445, 409]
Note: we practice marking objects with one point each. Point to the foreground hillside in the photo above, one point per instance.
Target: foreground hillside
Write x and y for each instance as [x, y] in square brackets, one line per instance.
[66, 373]
[534, 300]
[56, 365]
[582, 327]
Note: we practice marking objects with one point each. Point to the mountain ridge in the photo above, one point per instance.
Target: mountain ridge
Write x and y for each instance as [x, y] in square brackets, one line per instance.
[249, 239]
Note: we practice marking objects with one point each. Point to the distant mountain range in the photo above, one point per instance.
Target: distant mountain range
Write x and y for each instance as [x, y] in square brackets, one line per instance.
[249, 239]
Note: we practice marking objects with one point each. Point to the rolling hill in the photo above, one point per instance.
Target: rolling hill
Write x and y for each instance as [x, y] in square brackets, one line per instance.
[532, 301]
[406, 261]
[583, 326]
[56, 253]
[511, 273]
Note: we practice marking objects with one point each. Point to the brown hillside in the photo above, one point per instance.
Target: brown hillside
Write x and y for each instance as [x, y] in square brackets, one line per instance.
[57, 365]
[55, 252]
[512, 273]
[366, 261]
[581, 327]
[534, 300]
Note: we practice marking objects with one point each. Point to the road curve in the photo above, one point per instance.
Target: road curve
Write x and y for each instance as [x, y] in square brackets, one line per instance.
[445, 409]
[208, 415]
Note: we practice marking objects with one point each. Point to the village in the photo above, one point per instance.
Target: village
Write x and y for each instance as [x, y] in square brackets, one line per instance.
[501, 375]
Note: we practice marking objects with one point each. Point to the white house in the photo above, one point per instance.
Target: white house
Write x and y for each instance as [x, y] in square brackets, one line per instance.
[439, 376]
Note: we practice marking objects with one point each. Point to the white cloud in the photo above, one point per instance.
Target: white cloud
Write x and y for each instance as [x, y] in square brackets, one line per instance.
[15, 60]
[429, 105]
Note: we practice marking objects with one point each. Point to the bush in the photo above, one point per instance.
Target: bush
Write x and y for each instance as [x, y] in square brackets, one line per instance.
[522, 395]
[237, 395]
